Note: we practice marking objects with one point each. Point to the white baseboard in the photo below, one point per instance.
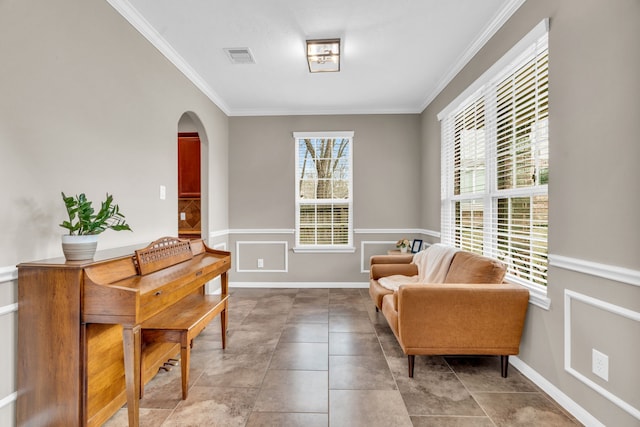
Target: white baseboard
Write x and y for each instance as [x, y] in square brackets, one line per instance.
[563, 400]
[302, 285]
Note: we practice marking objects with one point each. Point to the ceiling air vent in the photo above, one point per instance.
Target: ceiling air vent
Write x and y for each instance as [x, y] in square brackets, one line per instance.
[239, 55]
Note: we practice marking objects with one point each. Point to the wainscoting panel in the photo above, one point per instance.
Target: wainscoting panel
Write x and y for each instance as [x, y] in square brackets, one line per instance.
[369, 248]
[213, 286]
[615, 333]
[274, 256]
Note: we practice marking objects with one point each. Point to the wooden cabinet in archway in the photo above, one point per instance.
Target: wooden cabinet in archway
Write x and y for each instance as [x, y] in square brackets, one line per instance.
[189, 193]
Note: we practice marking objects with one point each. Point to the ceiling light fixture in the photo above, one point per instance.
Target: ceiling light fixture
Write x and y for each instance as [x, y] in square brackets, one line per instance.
[323, 55]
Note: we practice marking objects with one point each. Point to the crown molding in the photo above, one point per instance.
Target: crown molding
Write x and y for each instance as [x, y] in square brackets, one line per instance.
[249, 112]
[478, 43]
[143, 26]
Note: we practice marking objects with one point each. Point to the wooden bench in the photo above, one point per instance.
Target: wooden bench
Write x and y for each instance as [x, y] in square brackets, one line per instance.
[181, 323]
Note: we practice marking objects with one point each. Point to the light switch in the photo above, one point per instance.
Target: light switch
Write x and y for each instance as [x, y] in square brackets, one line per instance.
[183, 216]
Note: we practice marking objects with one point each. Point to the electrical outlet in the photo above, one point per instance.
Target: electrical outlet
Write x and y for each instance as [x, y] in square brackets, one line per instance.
[163, 192]
[600, 364]
[260, 263]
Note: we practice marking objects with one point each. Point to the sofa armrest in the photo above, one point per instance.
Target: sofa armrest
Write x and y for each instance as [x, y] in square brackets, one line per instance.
[461, 318]
[391, 259]
[383, 270]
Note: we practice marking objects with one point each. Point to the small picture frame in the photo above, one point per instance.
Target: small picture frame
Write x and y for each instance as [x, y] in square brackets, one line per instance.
[416, 246]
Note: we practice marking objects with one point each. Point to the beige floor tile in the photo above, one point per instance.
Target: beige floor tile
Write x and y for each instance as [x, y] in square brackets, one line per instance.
[293, 391]
[437, 393]
[359, 324]
[301, 314]
[523, 410]
[214, 406]
[318, 357]
[235, 370]
[451, 421]
[350, 343]
[305, 332]
[360, 373]
[484, 374]
[287, 419]
[304, 356]
[367, 408]
[148, 417]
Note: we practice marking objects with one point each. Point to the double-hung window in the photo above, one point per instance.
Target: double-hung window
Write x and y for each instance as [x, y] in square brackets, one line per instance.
[324, 195]
[495, 163]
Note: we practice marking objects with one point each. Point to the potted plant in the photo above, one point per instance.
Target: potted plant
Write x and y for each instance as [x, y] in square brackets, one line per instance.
[85, 225]
[403, 245]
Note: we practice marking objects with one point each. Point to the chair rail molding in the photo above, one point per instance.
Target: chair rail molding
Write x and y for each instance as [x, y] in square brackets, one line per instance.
[426, 232]
[605, 271]
[7, 400]
[8, 274]
[261, 231]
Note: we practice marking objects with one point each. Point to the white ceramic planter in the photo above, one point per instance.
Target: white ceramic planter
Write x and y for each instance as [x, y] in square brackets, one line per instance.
[79, 248]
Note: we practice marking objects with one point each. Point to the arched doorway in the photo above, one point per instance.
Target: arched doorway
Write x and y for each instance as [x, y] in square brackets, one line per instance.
[192, 173]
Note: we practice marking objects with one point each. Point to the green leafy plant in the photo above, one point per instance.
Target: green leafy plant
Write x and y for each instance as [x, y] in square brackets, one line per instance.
[83, 219]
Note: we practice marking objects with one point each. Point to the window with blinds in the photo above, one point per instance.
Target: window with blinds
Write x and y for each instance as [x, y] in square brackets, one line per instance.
[495, 165]
[324, 190]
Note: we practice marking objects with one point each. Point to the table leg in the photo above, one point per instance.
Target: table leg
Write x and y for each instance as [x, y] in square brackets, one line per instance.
[132, 344]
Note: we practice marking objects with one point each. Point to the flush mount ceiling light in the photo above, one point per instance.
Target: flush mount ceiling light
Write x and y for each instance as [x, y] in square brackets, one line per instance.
[323, 55]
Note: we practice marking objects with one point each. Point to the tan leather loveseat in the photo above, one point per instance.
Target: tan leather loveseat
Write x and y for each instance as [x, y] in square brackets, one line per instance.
[471, 313]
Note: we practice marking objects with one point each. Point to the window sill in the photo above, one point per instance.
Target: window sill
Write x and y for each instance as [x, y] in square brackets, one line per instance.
[324, 250]
[539, 298]
[537, 295]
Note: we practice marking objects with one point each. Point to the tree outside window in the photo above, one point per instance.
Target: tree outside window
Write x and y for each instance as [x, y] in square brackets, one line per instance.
[323, 189]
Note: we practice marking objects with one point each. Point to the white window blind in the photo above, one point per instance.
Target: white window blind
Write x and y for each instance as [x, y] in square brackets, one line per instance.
[324, 208]
[495, 165]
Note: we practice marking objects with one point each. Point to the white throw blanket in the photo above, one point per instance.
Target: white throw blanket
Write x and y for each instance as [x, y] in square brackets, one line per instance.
[433, 265]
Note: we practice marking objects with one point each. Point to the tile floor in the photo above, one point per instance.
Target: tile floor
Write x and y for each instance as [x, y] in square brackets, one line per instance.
[318, 357]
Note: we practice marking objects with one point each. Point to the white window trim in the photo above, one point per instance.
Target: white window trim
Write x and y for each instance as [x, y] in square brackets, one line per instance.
[538, 293]
[348, 248]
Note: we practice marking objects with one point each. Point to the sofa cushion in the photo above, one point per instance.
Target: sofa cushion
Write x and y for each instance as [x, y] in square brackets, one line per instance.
[390, 312]
[468, 267]
[377, 292]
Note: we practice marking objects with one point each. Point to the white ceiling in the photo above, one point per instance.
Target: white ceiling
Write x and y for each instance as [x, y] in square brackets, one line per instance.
[397, 54]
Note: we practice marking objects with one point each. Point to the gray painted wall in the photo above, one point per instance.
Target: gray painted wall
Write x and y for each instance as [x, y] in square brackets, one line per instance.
[88, 105]
[386, 187]
[594, 152]
[85, 82]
